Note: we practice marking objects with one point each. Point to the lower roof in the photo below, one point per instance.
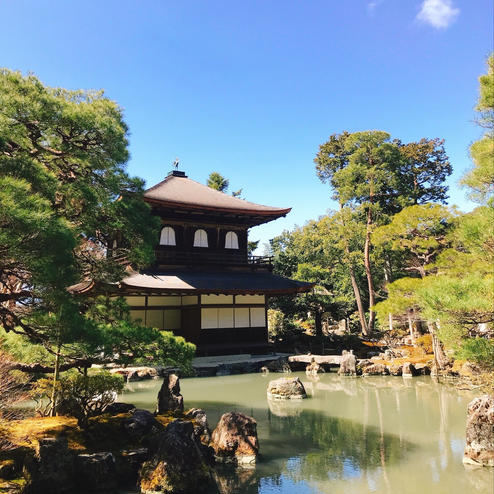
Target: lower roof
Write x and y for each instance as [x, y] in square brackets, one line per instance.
[189, 281]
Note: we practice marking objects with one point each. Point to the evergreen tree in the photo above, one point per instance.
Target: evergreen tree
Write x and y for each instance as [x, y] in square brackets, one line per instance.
[69, 214]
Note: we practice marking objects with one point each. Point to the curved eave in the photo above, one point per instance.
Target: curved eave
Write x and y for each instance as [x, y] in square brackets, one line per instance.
[273, 214]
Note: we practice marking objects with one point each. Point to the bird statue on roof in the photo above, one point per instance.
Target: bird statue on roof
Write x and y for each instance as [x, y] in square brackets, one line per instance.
[175, 163]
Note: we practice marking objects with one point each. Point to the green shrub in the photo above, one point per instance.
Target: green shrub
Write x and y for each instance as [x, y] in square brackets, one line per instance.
[276, 324]
[478, 350]
[168, 349]
[78, 395]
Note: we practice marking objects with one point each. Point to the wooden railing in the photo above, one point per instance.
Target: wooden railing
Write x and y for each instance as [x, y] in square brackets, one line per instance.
[211, 257]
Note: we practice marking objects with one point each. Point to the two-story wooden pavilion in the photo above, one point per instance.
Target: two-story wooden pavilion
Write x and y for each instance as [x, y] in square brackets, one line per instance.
[204, 286]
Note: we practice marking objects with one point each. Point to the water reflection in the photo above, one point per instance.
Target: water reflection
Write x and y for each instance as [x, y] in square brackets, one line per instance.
[378, 434]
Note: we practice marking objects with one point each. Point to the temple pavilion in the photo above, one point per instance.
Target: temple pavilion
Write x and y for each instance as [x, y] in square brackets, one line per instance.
[204, 286]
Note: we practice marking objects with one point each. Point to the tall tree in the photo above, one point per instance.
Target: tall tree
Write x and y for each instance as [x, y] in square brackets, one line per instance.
[480, 179]
[377, 177]
[333, 157]
[68, 214]
[420, 234]
[362, 168]
[423, 171]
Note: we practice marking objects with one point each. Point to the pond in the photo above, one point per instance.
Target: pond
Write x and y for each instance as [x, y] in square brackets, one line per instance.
[352, 435]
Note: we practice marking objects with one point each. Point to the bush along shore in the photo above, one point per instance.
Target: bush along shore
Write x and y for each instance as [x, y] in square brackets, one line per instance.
[170, 451]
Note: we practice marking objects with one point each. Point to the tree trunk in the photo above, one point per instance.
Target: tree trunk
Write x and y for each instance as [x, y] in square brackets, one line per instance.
[410, 326]
[440, 358]
[318, 324]
[370, 283]
[356, 290]
[388, 278]
[56, 375]
[360, 306]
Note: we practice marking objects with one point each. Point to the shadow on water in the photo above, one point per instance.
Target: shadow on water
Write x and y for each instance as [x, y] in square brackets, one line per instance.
[306, 447]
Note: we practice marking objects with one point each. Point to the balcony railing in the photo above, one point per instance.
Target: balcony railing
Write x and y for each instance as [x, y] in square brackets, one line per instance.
[211, 257]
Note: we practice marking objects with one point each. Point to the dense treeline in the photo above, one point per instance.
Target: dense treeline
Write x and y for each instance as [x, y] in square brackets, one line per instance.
[393, 249]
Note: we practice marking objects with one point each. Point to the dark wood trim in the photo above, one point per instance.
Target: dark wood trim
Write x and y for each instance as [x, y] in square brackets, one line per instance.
[184, 206]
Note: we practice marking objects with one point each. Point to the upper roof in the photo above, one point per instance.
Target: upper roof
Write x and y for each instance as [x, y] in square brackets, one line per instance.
[179, 191]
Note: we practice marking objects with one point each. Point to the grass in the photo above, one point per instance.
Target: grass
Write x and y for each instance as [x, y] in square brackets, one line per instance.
[105, 433]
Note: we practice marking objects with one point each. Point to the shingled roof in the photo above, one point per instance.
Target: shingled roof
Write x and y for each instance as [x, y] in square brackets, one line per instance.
[196, 281]
[179, 191]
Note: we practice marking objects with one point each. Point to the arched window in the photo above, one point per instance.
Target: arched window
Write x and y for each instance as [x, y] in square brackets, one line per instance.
[200, 238]
[167, 236]
[231, 240]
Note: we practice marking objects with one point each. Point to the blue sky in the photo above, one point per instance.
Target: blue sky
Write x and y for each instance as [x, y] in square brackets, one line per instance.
[250, 89]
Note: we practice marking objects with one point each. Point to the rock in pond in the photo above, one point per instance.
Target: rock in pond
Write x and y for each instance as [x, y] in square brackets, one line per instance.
[395, 369]
[313, 368]
[235, 439]
[176, 464]
[423, 369]
[479, 449]
[348, 365]
[375, 370]
[408, 370]
[286, 388]
[169, 397]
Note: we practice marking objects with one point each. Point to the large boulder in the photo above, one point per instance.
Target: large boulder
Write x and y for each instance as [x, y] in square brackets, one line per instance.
[141, 422]
[201, 426]
[52, 469]
[408, 370]
[423, 369]
[169, 397]
[313, 368]
[375, 370]
[128, 463]
[176, 464]
[96, 473]
[479, 449]
[348, 365]
[286, 388]
[235, 439]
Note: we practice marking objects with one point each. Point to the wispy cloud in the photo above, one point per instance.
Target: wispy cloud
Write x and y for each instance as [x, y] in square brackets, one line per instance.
[438, 13]
[373, 4]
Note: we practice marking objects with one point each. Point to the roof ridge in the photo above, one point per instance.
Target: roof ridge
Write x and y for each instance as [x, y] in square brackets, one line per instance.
[233, 197]
[158, 184]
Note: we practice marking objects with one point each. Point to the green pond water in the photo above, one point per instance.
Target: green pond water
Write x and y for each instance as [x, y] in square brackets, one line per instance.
[352, 435]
